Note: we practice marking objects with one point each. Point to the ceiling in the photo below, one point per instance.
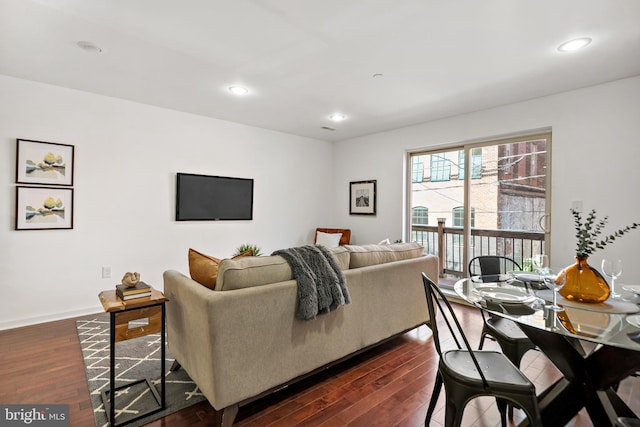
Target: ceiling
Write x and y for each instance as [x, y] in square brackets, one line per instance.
[304, 60]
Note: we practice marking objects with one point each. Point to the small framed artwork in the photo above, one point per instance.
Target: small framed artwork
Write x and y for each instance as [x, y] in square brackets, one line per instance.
[46, 163]
[362, 198]
[44, 208]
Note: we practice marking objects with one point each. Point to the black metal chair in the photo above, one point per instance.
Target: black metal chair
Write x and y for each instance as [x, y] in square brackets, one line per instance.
[467, 373]
[627, 422]
[513, 342]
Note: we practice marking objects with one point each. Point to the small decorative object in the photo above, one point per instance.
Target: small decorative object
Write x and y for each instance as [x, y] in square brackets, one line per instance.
[584, 283]
[39, 162]
[362, 198]
[44, 208]
[242, 249]
[130, 280]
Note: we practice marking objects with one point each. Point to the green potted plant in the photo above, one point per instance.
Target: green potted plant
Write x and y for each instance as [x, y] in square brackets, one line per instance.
[244, 248]
[584, 283]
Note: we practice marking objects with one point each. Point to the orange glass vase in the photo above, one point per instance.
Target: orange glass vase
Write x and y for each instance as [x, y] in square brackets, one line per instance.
[584, 283]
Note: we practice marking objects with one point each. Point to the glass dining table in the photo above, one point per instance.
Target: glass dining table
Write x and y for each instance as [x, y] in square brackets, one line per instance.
[594, 346]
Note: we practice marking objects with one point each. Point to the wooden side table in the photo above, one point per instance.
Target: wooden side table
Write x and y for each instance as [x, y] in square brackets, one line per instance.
[121, 313]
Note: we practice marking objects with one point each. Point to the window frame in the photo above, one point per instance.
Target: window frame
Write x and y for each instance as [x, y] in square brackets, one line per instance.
[439, 168]
[416, 209]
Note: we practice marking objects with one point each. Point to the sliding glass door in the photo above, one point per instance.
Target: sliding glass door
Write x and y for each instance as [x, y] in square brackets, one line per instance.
[488, 198]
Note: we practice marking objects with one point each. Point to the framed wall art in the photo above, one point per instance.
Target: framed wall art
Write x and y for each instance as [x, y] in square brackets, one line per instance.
[362, 198]
[44, 208]
[47, 163]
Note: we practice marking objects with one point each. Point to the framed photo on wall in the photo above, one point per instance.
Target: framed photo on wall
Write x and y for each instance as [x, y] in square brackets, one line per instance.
[47, 163]
[362, 198]
[44, 208]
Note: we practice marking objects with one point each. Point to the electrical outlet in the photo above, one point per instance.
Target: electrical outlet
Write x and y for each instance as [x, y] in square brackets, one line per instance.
[106, 271]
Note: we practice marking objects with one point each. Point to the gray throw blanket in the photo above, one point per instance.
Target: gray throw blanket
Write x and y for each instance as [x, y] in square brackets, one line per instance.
[321, 283]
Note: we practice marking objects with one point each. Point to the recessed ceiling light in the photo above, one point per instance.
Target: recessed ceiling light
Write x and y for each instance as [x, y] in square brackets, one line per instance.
[89, 47]
[238, 90]
[575, 44]
[337, 117]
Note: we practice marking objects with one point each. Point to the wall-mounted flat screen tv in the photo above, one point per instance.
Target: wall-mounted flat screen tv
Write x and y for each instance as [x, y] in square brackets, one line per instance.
[213, 198]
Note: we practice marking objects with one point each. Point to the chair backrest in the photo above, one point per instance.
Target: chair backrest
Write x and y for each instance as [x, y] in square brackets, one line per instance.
[344, 239]
[491, 266]
[435, 297]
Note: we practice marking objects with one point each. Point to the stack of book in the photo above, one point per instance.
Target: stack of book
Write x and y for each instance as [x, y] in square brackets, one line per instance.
[140, 290]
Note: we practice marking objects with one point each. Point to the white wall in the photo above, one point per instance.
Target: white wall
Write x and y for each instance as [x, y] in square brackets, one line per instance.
[127, 155]
[126, 158]
[595, 159]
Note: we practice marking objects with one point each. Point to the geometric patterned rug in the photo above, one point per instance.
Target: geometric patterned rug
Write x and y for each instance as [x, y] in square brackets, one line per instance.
[135, 359]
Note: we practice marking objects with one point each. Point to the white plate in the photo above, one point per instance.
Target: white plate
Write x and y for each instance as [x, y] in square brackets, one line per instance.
[526, 276]
[500, 295]
[632, 288]
[634, 320]
[490, 278]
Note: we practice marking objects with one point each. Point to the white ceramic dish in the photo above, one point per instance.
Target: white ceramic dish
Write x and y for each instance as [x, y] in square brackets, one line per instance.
[632, 288]
[502, 295]
[526, 276]
[491, 278]
[634, 320]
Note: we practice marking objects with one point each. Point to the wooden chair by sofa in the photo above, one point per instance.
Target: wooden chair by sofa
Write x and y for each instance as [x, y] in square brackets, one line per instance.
[344, 240]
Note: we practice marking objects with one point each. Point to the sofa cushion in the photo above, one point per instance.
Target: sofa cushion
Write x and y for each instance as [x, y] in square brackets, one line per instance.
[204, 268]
[253, 271]
[366, 255]
[262, 270]
[342, 256]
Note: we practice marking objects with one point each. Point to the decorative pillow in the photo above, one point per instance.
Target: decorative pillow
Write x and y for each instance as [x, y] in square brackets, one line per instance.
[363, 256]
[328, 240]
[204, 268]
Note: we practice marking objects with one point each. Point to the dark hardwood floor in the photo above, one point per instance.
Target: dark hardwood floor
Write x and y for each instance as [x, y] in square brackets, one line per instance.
[389, 385]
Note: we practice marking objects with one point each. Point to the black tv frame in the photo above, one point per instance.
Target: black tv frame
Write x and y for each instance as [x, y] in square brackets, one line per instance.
[180, 210]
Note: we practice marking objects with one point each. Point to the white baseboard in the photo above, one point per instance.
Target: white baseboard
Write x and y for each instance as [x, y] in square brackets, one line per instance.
[28, 321]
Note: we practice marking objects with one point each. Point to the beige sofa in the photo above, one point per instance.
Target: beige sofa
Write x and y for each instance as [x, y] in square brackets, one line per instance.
[241, 340]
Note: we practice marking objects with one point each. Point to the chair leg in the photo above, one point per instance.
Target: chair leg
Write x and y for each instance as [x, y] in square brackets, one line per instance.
[482, 337]
[502, 408]
[453, 414]
[434, 399]
[533, 413]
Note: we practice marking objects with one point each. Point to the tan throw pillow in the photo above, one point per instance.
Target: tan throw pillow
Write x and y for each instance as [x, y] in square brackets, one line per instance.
[204, 268]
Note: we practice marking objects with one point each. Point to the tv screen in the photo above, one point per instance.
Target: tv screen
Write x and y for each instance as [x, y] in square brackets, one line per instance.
[213, 198]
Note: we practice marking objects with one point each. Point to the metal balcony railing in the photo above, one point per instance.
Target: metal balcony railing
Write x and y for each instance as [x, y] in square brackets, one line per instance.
[448, 244]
